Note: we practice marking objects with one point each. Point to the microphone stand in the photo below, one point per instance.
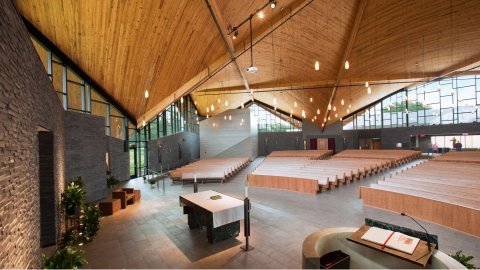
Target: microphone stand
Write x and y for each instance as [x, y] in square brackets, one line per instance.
[426, 232]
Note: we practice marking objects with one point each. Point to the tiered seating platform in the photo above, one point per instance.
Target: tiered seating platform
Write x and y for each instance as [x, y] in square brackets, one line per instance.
[216, 169]
[444, 190]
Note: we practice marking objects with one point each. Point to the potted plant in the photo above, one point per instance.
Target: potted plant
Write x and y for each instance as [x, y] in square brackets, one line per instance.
[65, 258]
[463, 259]
[90, 221]
[73, 197]
[152, 181]
[111, 181]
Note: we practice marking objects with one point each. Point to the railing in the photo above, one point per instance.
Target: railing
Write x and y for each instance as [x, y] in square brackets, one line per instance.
[152, 177]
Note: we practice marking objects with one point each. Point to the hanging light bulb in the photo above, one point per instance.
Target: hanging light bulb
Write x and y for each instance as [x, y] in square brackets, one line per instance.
[226, 102]
[342, 102]
[303, 114]
[336, 116]
[318, 111]
[218, 100]
[144, 123]
[273, 4]
[366, 84]
[208, 110]
[243, 106]
[323, 125]
[291, 113]
[315, 117]
[207, 116]
[348, 110]
[251, 91]
[347, 65]
[197, 118]
[212, 108]
[329, 118]
[214, 124]
[196, 112]
[349, 106]
[329, 106]
[274, 101]
[312, 120]
[181, 100]
[334, 108]
[341, 119]
[195, 102]
[146, 93]
[261, 15]
[242, 120]
[230, 117]
[224, 117]
[295, 104]
[317, 65]
[369, 90]
[311, 99]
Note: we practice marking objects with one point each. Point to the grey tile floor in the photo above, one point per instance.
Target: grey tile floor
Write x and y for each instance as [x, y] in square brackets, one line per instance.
[154, 232]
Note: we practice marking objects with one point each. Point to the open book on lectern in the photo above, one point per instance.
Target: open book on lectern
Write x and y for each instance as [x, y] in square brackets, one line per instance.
[391, 239]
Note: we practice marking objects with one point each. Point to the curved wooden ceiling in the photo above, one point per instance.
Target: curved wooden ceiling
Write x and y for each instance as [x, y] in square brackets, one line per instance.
[174, 47]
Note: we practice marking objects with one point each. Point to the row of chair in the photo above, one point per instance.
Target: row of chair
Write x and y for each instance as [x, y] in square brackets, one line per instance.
[311, 154]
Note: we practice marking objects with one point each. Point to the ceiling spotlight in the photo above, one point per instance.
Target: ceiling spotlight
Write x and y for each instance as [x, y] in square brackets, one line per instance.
[369, 90]
[336, 115]
[146, 93]
[303, 114]
[218, 100]
[318, 111]
[208, 110]
[224, 117]
[230, 117]
[317, 65]
[144, 123]
[329, 106]
[315, 117]
[261, 15]
[212, 108]
[273, 4]
[342, 102]
[311, 99]
[347, 65]
[366, 84]
[334, 108]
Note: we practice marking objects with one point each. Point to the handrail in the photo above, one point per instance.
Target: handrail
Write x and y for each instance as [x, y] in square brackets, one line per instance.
[156, 174]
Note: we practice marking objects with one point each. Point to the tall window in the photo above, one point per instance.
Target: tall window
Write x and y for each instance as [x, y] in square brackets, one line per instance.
[274, 121]
[448, 101]
[77, 94]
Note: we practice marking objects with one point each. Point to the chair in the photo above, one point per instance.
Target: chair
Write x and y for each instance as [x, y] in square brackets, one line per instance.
[124, 196]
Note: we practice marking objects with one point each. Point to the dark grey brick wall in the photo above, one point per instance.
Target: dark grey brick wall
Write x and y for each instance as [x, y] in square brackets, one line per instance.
[173, 151]
[119, 159]
[27, 101]
[85, 148]
[275, 141]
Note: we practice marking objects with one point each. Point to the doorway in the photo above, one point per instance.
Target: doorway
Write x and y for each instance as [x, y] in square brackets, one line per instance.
[46, 174]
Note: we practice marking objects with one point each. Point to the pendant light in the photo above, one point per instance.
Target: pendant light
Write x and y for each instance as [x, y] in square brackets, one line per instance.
[274, 101]
[318, 111]
[311, 99]
[146, 93]
[329, 106]
[181, 100]
[243, 106]
[347, 65]
[317, 65]
[212, 108]
[226, 102]
[295, 104]
[342, 102]
[334, 108]
[303, 114]
[366, 84]
[369, 90]
[208, 110]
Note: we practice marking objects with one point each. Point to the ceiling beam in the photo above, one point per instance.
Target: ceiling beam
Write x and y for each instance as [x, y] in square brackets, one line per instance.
[346, 54]
[218, 19]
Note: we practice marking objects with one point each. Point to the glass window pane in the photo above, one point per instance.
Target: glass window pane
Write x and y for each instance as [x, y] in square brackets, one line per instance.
[42, 53]
[74, 95]
[99, 109]
[57, 76]
[71, 76]
[116, 127]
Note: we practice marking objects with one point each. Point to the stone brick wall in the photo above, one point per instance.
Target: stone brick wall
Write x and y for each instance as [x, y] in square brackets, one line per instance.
[165, 151]
[85, 148]
[27, 102]
[119, 159]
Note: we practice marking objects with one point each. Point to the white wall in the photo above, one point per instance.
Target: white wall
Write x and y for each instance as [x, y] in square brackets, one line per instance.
[220, 137]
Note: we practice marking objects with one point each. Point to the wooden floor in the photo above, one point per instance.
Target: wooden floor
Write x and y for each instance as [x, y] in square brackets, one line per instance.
[154, 233]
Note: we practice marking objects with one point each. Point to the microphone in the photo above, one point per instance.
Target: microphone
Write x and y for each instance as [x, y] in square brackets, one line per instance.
[428, 236]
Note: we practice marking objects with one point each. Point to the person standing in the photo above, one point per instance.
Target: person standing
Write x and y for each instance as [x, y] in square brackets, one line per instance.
[435, 148]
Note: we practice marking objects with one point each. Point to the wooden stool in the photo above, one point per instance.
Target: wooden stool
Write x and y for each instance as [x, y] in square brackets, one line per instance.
[109, 206]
